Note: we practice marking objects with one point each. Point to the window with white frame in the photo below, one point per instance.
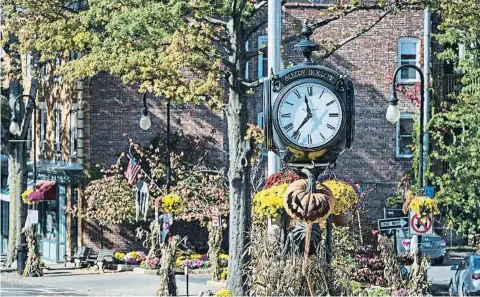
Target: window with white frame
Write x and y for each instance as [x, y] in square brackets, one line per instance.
[73, 131]
[404, 139]
[408, 54]
[43, 127]
[58, 130]
[262, 58]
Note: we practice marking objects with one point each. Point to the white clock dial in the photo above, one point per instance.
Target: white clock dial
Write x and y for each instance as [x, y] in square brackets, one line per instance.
[309, 115]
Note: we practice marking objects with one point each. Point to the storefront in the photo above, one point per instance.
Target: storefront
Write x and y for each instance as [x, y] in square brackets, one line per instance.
[59, 184]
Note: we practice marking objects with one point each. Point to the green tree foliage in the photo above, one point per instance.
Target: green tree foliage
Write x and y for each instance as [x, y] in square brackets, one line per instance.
[456, 126]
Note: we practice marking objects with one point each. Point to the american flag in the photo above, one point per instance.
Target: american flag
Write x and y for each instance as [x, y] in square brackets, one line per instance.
[132, 171]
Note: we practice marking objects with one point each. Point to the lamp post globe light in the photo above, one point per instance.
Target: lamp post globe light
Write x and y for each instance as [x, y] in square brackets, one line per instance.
[14, 127]
[145, 123]
[393, 112]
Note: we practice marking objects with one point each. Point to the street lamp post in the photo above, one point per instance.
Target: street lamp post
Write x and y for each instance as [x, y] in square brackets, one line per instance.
[145, 124]
[393, 115]
[16, 130]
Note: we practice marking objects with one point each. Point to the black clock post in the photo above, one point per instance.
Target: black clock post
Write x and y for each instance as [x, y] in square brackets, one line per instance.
[309, 116]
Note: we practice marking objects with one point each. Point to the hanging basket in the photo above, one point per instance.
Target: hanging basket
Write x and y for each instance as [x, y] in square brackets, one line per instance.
[307, 207]
[424, 206]
[345, 192]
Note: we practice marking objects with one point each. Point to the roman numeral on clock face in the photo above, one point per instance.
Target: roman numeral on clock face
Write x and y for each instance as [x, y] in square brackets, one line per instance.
[330, 103]
[296, 135]
[333, 115]
[286, 115]
[330, 127]
[310, 91]
[309, 139]
[288, 127]
[323, 137]
[298, 94]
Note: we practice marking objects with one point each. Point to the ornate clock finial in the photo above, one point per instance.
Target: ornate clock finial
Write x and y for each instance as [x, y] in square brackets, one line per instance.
[306, 45]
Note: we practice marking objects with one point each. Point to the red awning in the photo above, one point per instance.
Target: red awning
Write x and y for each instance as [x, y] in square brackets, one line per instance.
[45, 190]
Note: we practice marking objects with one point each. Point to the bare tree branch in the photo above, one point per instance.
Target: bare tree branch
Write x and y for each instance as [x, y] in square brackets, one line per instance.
[252, 84]
[214, 21]
[253, 28]
[250, 55]
[344, 13]
[259, 5]
[357, 34]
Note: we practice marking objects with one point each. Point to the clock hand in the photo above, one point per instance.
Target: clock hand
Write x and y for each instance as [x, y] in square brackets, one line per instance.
[303, 123]
[309, 111]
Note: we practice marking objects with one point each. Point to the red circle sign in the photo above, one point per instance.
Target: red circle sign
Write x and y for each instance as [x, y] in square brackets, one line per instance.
[419, 226]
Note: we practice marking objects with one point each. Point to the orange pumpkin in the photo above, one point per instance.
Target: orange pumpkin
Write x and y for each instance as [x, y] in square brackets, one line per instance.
[305, 206]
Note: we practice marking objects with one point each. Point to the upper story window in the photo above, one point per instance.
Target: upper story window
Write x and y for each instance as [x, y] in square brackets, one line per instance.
[43, 127]
[262, 58]
[73, 131]
[58, 130]
[404, 138]
[408, 54]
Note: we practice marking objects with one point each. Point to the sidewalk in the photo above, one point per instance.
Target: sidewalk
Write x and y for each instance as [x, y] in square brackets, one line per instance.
[107, 284]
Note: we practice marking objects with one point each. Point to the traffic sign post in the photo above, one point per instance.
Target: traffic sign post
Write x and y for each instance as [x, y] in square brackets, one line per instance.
[392, 223]
[419, 225]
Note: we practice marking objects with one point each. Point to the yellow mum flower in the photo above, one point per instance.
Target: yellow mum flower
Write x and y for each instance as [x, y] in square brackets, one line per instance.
[344, 193]
[268, 203]
[172, 203]
[223, 293]
[424, 206]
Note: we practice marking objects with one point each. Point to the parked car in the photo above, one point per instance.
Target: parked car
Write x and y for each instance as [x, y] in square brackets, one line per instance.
[433, 246]
[466, 281]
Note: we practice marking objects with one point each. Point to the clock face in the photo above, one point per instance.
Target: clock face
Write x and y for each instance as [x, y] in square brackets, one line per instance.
[309, 115]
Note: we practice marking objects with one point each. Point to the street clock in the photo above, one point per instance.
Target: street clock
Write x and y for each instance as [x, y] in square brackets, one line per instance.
[309, 111]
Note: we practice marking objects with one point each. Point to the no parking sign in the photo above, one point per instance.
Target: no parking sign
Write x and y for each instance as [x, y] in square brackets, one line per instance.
[420, 225]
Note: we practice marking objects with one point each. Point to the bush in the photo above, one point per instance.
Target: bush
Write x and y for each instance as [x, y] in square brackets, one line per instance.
[193, 263]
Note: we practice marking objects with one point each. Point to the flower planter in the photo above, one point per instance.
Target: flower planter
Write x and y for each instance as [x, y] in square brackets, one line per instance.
[139, 270]
[126, 267]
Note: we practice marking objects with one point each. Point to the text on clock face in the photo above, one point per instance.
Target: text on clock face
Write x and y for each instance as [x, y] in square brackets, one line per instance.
[309, 115]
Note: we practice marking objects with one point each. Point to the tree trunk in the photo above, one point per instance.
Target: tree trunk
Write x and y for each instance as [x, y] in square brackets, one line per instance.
[239, 192]
[17, 178]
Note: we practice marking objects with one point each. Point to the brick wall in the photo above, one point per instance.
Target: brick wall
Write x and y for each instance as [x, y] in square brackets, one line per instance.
[115, 111]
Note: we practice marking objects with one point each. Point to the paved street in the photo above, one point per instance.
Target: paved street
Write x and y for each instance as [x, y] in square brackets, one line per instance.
[108, 284]
[128, 283]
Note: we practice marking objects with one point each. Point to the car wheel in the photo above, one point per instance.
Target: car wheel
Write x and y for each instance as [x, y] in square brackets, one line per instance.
[438, 261]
